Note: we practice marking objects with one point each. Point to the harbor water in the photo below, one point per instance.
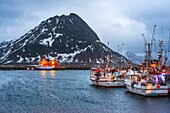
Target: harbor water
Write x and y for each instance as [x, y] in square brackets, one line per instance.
[69, 91]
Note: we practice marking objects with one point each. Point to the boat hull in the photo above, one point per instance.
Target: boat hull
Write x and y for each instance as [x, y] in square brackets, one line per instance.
[107, 83]
[44, 68]
[148, 90]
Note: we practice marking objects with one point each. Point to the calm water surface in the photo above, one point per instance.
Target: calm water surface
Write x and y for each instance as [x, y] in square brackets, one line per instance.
[69, 91]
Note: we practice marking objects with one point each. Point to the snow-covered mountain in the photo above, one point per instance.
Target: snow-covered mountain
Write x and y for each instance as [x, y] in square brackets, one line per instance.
[134, 58]
[5, 43]
[67, 38]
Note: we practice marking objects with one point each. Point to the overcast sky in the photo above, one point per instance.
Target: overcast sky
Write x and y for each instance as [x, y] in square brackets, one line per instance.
[114, 21]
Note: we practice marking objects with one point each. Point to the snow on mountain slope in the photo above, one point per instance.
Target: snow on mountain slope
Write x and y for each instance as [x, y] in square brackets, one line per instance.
[67, 38]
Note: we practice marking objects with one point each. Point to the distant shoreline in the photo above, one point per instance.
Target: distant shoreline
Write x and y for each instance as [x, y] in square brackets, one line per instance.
[33, 67]
[62, 66]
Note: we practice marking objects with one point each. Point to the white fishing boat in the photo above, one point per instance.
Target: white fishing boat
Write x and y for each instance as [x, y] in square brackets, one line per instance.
[106, 78]
[154, 82]
[143, 86]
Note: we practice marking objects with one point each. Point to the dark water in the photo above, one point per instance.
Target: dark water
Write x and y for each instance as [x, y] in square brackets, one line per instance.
[69, 91]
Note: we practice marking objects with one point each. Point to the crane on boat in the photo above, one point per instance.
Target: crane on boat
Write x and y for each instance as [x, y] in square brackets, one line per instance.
[144, 42]
[153, 36]
[148, 48]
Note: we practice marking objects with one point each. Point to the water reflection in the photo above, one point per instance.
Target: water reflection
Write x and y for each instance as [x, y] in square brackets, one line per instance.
[52, 73]
[44, 73]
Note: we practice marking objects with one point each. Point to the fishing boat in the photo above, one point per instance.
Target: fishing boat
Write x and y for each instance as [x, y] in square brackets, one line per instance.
[108, 77]
[45, 65]
[105, 75]
[142, 85]
[154, 82]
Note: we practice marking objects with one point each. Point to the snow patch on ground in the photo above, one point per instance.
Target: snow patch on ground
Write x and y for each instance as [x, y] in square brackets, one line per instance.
[7, 53]
[49, 40]
[69, 57]
[8, 62]
[49, 21]
[20, 59]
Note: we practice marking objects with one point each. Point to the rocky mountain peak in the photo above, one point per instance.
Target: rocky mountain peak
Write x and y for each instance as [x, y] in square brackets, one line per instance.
[67, 38]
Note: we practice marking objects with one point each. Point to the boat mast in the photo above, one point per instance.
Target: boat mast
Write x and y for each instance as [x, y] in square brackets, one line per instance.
[148, 56]
[108, 58]
[145, 44]
[168, 49]
[160, 55]
[148, 52]
[153, 36]
[165, 58]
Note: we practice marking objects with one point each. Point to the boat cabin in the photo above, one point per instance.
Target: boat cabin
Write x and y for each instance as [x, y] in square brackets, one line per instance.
[52, 63]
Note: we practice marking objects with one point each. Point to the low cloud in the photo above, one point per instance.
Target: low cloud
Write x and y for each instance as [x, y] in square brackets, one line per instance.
[116, 22]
